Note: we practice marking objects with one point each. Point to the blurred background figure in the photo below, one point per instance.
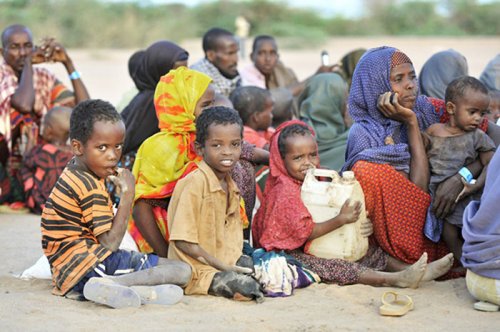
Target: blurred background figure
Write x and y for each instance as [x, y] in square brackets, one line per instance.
[242, 32]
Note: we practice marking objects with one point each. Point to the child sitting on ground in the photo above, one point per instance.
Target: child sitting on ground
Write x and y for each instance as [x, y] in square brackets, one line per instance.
[255, 106]
[452, 145]
[284, 223]
[205, 225]
[44, 162]
[80, 234]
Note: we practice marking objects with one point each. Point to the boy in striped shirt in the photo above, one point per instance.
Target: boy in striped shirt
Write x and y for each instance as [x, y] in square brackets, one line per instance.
[80, 232]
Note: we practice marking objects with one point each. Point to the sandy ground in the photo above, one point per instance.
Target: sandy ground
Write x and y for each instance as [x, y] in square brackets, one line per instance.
[29, 306]
[106, 75]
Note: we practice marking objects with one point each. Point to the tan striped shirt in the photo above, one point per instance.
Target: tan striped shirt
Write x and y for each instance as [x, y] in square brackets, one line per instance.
[77, 211]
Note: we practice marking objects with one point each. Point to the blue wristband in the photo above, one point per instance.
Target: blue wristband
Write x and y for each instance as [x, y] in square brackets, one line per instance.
[75, 75]
[466, 174]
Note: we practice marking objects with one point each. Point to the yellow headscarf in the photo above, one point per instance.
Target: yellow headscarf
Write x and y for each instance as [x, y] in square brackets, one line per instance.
[168, 155]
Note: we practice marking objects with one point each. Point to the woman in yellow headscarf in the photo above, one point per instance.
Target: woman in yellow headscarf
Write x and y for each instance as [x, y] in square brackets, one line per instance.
[167, 156]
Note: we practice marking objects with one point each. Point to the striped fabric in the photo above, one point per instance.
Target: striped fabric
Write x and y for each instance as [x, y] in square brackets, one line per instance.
[77, 211]
[49, 92]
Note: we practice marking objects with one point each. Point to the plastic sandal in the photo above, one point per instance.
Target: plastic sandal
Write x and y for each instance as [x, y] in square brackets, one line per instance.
[398, 306]
[111, 294]
[162, 294]
[486, 306]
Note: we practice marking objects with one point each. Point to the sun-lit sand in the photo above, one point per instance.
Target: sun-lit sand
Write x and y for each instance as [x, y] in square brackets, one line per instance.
[439, 306]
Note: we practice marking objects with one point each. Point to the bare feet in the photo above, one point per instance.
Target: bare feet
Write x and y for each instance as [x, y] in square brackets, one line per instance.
[411, 276]
[438, 268]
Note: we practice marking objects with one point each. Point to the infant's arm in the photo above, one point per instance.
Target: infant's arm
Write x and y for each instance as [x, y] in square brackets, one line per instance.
[485, 157]
[195, 251]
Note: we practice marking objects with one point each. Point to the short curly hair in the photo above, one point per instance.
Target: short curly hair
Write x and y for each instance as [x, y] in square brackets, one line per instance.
[292, 130]
[248, 100]
[218, 115]
[88, 112]
[456, 88]
[211, 38]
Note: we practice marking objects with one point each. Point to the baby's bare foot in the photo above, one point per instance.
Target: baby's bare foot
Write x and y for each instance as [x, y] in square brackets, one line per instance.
[438, 268]
[411, 276]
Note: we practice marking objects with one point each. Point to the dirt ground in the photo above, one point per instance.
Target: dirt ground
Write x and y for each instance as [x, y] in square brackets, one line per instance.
[29, 305]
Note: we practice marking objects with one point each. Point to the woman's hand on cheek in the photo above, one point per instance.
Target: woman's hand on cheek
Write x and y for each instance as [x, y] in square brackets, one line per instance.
[389, 106]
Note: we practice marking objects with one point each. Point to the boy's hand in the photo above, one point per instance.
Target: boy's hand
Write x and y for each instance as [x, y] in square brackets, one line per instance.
[366, 228]
[350, 213]
[240, 269]
[469, 188]
[124, 180]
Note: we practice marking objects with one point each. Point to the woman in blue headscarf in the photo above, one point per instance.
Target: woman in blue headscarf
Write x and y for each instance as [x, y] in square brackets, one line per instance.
[386, 152]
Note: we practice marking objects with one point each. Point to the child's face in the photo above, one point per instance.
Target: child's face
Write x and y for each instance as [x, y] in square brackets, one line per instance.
[404, 81]
[264, 119]
[206, 100]
[494, 108]
[222, 148]
[103, 150]
[469, 110]
[301, 155]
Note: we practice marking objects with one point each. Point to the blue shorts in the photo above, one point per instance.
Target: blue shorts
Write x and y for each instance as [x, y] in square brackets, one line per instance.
[118, 263]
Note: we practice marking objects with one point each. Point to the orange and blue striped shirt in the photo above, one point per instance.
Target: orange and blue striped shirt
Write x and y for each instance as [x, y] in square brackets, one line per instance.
[77, 211]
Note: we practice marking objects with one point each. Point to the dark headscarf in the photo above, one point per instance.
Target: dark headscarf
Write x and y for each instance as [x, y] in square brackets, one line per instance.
[491, 74]
[437, 72]
[349, 62]
[322, 106]
[140, 115]
[134, 62]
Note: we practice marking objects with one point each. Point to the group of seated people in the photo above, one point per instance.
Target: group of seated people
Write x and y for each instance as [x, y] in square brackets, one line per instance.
[181, 165]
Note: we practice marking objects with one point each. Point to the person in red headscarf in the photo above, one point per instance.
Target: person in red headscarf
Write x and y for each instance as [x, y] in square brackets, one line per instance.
[284, 223]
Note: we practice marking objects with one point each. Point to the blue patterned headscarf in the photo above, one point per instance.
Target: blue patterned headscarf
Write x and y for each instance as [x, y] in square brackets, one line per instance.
[367, 137]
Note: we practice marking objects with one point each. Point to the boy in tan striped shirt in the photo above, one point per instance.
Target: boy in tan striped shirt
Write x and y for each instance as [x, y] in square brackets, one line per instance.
[80, 232]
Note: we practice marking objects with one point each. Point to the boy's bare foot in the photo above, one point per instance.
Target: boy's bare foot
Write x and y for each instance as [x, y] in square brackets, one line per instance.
[438, 268]
[411, 276]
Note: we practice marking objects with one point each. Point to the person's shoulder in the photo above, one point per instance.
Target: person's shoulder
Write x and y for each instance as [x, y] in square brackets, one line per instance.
[198, 65]
[483, 138]
[193, 181]
[81, 181]
[434, 129]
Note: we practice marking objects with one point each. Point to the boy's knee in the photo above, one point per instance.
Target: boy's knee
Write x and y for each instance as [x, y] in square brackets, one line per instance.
[245, 261]
[184, 272]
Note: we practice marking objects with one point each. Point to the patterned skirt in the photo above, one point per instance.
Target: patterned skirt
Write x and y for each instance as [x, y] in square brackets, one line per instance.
[339, 271]
[397, 209]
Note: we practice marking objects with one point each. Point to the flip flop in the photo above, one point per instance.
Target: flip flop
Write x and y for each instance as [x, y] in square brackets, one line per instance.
[398, 306]
[486, 306]
[107, 292]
